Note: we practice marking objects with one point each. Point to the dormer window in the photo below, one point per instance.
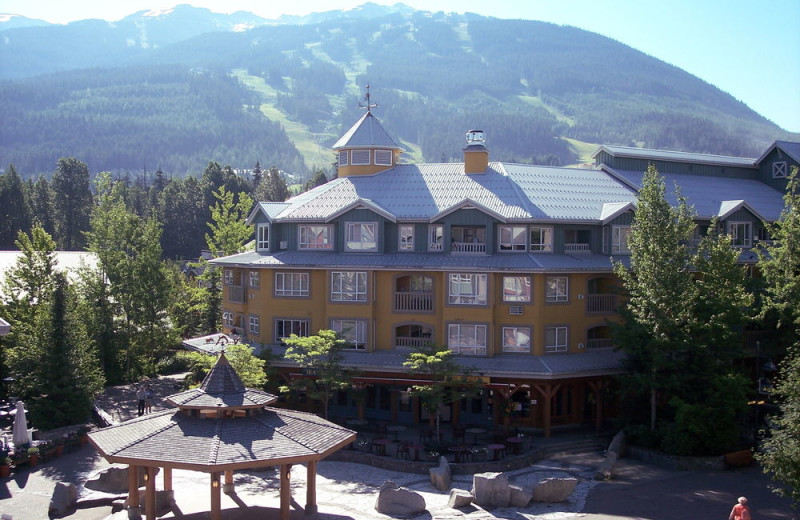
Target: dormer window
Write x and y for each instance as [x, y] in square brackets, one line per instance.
[512, 238]
[316, 236]
[359, 157]
[361, 236]
[262, 237]
[741, 234]
[619, 239]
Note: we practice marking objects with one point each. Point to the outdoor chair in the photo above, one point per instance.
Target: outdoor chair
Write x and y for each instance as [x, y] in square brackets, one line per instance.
[403, 451]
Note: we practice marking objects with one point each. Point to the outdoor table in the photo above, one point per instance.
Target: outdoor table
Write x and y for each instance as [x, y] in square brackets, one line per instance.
[461, 452]
[516, 442]
[496, 449]
[475, 432]
[395, 429]
[415, 448]
[380, 445]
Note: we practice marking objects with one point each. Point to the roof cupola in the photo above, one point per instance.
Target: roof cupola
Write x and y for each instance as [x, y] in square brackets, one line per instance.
[476, 155]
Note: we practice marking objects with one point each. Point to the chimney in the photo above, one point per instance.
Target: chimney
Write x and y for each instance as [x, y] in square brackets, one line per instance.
[476, 155]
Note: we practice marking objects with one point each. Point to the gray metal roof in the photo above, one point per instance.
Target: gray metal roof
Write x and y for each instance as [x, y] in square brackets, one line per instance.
[790, 148]
[366, 133]
[714, 196]
[513, 262]
[683, 157]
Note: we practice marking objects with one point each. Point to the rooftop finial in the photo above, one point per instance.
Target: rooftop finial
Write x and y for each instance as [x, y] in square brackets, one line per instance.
[369, 106]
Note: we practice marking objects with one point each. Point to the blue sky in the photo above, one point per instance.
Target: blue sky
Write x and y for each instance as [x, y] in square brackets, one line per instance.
[748, 48]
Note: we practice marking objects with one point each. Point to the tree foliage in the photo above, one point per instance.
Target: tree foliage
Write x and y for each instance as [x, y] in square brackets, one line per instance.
[72, 203]
[250, 368]
[229, 231]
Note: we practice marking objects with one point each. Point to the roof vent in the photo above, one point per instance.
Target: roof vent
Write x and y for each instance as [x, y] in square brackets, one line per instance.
[476, 156]
[476, 137]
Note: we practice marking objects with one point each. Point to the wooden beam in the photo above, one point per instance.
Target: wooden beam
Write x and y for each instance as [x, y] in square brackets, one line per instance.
[133, 486]
[548, 391]
[216, 497]
[150, 493]
[286, 491]
[311, 488]
[167, 479]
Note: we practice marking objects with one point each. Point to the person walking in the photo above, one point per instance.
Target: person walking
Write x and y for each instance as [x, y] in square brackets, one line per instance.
[141, 396]
[740, 511]
[148, 399]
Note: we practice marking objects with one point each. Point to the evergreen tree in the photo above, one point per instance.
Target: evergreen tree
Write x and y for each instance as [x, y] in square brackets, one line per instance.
[257, 176]
[14, 212]
[318, 179]
[41, 204]
[273, 188]
[72, 203]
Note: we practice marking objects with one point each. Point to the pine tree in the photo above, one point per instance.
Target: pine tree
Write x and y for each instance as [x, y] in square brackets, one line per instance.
[72, 203]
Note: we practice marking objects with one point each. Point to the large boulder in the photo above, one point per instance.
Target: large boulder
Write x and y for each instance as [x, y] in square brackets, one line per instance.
[518, 497]
[554, 489]
[114, 479]
[491, 490]
[440, 475]
[459, 498]
[398, 502]
[63, 500]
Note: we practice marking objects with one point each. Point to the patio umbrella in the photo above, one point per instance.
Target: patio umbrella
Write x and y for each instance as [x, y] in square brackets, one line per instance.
[21, 435]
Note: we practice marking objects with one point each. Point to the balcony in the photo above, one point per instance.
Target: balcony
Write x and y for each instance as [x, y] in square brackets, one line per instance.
[236, 294]
[414, 301]
[577, 247]
[601, 303]
[599, 343]
[411, 342]
[468, 247]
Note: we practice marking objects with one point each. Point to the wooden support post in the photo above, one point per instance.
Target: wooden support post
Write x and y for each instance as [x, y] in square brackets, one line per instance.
[311, 488]
[133, 486]
[286, 492]
[150, 493]
[167, 479]
[216, 497]
[598, 387]
[548, 391]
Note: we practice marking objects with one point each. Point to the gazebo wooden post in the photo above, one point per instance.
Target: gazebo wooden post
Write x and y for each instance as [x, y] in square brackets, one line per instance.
[286, 492]
[228, 486]
[150, 493]
[134, 511]
[216, 497]
[548, 391]
[311, 488]
[167, 479]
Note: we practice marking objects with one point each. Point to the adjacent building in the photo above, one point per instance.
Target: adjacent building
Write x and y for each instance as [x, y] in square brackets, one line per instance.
[509, 265]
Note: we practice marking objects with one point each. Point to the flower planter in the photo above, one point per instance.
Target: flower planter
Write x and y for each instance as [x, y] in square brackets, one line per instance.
[33, 460]
[5, 470]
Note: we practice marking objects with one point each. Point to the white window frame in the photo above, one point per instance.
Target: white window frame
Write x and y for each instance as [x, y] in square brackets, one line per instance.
[230, 278]
[405, 237]
[468, 340]
[436, 237]
[254, 324]
[557, 289]
[510, 243]
[309, 236]
[544, 239]
[383, 157]
[359, 157]
[298, 284]
[343, 158]
[302, 326]
[262, 237]
[255, 279]
[353, 331]
[478, 282]
[516, 339]
[356, 289]
[780, 170]
[517, 289]
[618, 245]
[734, 231]
[227, 318]
[556, 338]
[355, 234]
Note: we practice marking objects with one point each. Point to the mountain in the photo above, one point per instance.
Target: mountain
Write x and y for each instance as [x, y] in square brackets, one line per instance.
[15, 21]
[151, 89]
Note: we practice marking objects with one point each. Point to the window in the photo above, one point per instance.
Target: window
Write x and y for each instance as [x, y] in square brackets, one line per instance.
[467, 338]
[383, 157]
[467, 289]
[291, 284]
[262, 237]
[516, 339]
[316, 237]
[349, 286]
[512, 238]
[361, 236]
[779, 170]
[406, 237]
[254, 325]
[555, 339]
[435, 237]
[516, 288]
[231, 277]
[255, 279]
[619, 239]
[354, 332]
[359, 157]
[541, 239]
[227, 319]
[741, 234]
[343, 158]
[556, 289]
[285, 328]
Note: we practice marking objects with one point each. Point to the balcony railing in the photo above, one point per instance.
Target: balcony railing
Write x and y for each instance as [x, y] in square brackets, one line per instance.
[577, 248]
[468, 247]
[236, 294]
[411, 342]
[599, 343]
[601, 303]
[413, 301]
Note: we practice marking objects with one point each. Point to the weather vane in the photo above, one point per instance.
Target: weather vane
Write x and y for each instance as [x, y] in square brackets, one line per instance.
[369, 106]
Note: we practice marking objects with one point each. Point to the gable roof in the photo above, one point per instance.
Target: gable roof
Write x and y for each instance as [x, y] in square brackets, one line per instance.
[366, 133]
[789, 148]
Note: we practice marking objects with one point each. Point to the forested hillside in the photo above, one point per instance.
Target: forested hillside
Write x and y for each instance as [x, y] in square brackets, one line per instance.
[236, 97]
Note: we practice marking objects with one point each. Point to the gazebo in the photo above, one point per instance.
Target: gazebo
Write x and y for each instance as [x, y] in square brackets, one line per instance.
[219, 428]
